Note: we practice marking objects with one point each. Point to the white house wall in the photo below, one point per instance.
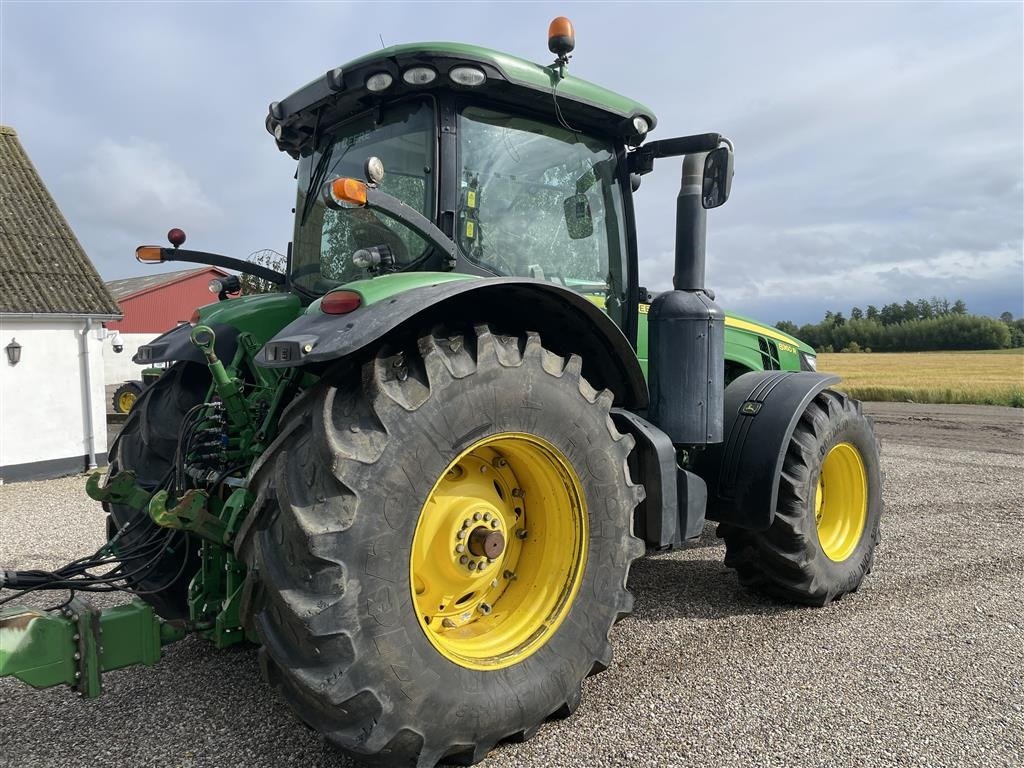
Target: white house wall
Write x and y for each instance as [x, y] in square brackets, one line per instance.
[42, 399]
[118, 366]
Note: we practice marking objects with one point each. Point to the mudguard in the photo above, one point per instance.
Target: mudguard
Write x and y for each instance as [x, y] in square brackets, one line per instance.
[672, 510]
[176, 345]
[742, 473]
[567, 322]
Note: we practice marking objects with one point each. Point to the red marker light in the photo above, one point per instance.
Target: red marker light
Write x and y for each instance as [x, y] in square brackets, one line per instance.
[176, 237]
[340, 302]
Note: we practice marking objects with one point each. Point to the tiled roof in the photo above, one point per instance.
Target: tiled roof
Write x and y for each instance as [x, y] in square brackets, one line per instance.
[129, 286]
[43, 267]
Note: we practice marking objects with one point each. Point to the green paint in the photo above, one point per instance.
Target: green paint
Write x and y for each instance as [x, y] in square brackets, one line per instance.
[375, 289]
[262, 315]
[122, 489]
[76, 646]
[742, 345]
[519, 71]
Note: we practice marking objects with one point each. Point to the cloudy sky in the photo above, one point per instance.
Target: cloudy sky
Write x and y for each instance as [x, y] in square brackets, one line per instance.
[879, 146]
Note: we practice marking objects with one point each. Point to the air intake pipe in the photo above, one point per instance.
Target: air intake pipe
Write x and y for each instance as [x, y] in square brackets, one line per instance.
[686, 341]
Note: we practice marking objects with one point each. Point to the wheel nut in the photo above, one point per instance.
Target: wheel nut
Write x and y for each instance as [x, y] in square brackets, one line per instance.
[463, 560]
[472, 565]
[461, 534]
[521, 533]
[487, 515]
[485, 608]
[477, 516]
[460, 548]
[494, 523]
[447, 623]
[518, 493]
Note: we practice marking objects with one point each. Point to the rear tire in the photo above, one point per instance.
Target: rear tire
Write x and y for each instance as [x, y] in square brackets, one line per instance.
[146, 445]
[334, 594]
[821, 543]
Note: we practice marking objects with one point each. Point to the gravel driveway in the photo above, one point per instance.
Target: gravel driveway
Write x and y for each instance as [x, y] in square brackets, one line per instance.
[923, 666]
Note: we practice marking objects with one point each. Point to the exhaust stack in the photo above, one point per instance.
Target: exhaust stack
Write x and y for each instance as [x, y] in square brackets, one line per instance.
[687, 329]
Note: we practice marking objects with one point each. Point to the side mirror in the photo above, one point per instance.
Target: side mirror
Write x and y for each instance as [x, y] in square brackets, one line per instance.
[578, 218]
[718, 170]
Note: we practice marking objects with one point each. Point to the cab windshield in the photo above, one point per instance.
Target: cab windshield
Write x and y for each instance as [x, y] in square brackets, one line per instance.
[542, 201]
[402, 136]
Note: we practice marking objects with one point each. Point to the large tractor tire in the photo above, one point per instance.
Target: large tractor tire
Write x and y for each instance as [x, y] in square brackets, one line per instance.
[822, 541]
[146, 445]
[439, 547]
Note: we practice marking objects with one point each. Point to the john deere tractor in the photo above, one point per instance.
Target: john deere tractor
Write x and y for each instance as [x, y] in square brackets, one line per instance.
[417, 474]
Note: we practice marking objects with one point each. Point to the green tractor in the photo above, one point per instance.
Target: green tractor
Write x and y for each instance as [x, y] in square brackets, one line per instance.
[417, 474]
[128, 392]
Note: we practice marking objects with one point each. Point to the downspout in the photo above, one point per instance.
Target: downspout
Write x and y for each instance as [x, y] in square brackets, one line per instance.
[90, 437]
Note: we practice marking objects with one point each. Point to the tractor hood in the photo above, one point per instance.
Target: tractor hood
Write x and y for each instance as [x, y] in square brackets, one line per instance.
[747, 324]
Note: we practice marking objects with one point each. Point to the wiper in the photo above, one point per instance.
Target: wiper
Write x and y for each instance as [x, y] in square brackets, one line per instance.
[314, 182]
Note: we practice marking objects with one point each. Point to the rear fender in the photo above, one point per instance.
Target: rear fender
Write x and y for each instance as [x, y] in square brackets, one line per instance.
[566, 321]
[762, 409]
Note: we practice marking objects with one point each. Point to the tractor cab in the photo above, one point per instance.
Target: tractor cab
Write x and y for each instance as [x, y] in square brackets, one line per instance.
[522, 166]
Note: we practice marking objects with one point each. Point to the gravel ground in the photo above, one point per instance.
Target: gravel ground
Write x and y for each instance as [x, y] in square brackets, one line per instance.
[923, 666]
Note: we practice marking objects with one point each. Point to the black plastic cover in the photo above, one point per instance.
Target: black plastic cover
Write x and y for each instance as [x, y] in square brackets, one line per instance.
[652, 463]
[176, 345]
[673, 508]
[742, 473]
[566, 321]
[686, 347]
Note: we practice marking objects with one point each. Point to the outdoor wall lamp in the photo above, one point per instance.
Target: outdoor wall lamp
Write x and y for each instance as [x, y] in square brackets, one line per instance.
[13, 352]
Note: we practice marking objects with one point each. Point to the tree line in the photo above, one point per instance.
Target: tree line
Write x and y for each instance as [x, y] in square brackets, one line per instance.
[913, 326]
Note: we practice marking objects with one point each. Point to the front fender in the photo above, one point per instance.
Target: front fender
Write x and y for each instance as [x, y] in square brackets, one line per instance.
[176, 345]
[567, 322]
[762, 409]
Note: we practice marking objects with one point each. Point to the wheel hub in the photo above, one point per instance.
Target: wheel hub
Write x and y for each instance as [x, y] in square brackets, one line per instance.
[485, 542]
[841, 501]
[499, 551]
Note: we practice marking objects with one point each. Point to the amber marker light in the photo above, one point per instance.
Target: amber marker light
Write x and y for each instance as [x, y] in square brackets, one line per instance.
[347, 193]
[561, 36]
[149, 254]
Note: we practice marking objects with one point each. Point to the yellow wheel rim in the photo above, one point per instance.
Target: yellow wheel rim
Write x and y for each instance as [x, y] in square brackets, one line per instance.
[841, 501]
[499, 551]
[125, 401]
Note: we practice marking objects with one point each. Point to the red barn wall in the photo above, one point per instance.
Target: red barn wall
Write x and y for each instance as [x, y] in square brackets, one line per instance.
[165, 306]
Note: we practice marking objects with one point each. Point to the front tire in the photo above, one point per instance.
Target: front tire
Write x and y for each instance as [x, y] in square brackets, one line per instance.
[146, 445]
[822, 541]
[374, 628]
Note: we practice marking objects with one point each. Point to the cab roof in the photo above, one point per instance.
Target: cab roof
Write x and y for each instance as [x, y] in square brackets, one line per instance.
[510, 81]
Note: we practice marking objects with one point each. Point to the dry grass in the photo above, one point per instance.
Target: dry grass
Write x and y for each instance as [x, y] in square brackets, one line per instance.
[984, 378]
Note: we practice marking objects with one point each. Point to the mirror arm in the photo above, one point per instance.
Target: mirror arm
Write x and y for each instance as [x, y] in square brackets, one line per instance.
[641, 160]
[381, 201]
[216, 260]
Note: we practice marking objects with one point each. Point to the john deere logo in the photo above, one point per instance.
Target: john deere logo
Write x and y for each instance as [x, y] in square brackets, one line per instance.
[750, 408]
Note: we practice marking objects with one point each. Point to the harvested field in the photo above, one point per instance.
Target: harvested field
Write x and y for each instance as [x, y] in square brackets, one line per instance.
[982, 378]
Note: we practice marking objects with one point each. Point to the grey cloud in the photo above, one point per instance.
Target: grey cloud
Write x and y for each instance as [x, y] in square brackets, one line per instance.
[879, 145]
